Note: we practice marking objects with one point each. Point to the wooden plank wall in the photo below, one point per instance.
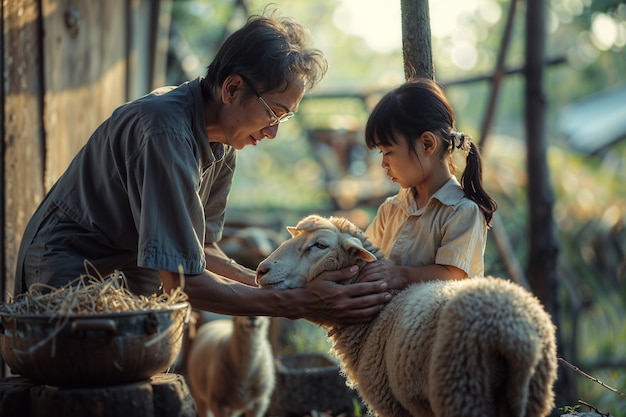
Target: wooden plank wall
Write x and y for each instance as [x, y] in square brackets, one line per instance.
[66, 65]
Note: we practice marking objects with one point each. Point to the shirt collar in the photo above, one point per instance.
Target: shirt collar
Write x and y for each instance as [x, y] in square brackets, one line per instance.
[449, 194]
[210, 151]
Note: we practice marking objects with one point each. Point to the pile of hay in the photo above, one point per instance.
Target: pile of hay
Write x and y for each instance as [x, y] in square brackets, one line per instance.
[88, 295]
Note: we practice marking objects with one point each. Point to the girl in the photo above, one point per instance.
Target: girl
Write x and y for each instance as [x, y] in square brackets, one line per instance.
[435, 227]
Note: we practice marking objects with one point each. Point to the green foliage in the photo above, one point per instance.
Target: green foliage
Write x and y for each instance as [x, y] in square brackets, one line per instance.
[570, 409]
[304, 337]
[357, 409]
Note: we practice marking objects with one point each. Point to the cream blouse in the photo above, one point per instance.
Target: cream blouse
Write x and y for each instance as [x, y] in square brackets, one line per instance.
[449, 230]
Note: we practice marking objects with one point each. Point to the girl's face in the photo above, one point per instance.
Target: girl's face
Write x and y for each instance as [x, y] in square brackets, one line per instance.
[404, 164]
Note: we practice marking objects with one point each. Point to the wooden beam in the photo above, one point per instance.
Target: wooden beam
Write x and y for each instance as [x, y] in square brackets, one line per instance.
[23, 152]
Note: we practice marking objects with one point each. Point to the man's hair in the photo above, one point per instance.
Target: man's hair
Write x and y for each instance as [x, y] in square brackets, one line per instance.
[269, 51]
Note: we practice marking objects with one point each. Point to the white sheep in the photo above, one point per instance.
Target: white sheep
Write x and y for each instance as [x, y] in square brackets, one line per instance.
[231, 368]
[469, 348]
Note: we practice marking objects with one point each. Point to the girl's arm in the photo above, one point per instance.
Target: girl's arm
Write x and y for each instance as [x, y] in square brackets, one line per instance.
[398, 277]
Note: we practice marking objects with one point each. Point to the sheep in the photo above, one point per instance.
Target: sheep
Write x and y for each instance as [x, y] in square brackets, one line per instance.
[249, 245]
[481, 346]
[231, 369]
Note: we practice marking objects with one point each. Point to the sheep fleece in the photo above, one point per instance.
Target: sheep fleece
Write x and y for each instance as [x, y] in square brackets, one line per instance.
[454, 348]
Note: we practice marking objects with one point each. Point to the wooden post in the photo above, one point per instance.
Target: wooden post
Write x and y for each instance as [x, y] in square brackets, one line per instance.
[416, 39]
[22, 128]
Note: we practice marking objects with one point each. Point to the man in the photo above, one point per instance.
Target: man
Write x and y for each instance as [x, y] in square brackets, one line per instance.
[147, 193]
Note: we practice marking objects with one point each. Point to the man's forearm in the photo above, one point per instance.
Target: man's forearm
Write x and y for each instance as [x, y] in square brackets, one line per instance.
[219, 263]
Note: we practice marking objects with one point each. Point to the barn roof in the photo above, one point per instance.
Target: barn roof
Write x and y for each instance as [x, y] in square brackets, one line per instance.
[595, 122]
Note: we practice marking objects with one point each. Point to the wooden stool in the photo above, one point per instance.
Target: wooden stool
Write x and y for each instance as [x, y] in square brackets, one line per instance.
[164, 395]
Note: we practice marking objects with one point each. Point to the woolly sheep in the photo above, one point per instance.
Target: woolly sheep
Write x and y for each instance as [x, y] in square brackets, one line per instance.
[469, 348]
[230, 368]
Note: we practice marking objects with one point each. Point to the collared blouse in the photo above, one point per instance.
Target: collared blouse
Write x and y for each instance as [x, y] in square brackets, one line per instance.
[449, 230]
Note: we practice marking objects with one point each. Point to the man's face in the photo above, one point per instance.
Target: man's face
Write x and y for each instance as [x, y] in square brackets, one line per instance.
[247, 119]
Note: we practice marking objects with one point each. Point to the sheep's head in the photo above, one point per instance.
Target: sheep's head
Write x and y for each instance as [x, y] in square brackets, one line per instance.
[317, 244]
[251, 324]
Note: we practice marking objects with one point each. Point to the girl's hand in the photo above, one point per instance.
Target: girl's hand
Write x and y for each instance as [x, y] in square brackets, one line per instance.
[398, 277]
[385, 271]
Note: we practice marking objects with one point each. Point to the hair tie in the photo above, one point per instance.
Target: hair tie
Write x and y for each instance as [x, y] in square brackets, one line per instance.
[459, 139]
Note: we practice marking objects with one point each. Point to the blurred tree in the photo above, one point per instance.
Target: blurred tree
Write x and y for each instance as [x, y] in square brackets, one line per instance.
[543, 243]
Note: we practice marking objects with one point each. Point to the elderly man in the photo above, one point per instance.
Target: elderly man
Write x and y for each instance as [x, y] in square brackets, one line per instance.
[147, 193]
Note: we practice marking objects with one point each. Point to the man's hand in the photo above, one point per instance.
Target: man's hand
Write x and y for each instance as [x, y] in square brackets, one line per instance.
[328, 301]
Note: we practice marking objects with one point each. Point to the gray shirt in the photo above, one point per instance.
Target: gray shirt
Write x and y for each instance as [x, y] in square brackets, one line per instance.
[147, 190]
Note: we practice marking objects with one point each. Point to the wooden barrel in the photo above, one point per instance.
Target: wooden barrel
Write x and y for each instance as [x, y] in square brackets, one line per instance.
[163, 395]
[14, 397]
[310, 381]
[172, 397]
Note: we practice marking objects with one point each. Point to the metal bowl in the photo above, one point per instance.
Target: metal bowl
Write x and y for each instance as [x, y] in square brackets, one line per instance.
[90, 350]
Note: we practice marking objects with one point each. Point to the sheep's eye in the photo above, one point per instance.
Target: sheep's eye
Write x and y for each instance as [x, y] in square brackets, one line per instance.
[319, 245]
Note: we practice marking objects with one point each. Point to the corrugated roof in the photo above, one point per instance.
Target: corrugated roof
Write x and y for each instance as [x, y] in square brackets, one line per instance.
[595, 122]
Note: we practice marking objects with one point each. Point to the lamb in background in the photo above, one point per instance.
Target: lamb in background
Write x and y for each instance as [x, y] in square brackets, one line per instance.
[249, 245]
[471, 348]
[230, 368]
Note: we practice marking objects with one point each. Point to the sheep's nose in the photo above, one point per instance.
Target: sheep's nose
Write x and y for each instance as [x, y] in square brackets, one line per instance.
[261, 271]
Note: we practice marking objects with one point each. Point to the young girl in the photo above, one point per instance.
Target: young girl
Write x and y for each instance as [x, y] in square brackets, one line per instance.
[435, 227]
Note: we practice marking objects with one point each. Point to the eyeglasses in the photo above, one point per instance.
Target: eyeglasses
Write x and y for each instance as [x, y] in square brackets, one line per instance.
[277, 120]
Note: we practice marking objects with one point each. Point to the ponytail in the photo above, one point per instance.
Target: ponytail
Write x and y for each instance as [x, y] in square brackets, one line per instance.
[472, 184]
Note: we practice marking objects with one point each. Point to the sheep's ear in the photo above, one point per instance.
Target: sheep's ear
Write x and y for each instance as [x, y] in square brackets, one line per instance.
[307, 224]
[303, 226]
[355, 246]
